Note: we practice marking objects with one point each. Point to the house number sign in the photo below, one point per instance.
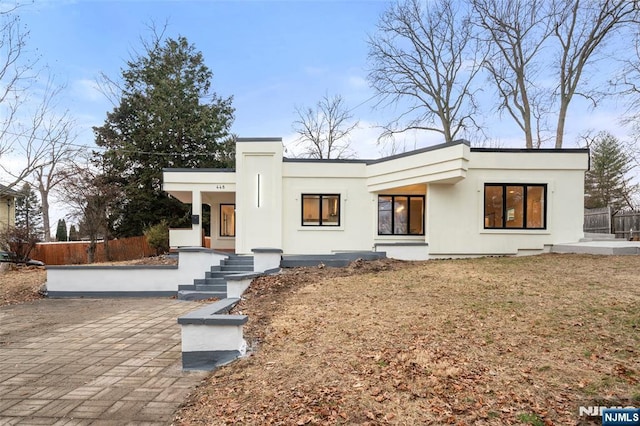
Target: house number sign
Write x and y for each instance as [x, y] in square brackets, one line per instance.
[220, 187]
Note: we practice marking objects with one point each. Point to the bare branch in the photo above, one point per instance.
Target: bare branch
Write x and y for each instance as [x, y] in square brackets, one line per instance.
[324, 131]
[426, 55]
[582, 29]
[516, 32]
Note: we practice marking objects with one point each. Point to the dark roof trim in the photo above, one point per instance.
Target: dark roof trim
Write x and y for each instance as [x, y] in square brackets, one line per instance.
[182, 170]
[324, 160]
[420, 151]
[259, 139]
[378, 160]
[531, 150]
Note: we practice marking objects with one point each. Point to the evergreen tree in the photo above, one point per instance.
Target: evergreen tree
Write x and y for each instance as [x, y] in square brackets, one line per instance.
[73, 233]
[61, 230]
[607, 182]
[29, 213]
[168, 116]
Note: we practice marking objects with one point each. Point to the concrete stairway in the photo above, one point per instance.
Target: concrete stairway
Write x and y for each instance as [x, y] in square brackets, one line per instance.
[214, 283]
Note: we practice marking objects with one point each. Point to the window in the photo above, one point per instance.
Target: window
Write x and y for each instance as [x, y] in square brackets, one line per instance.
[511, 206]
[320, 209]
[401, 215]
[227, 220]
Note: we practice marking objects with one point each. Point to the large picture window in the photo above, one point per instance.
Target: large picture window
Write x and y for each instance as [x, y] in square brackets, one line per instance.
[515, 206]
[227, 220]
[320, 209]
[401, 215]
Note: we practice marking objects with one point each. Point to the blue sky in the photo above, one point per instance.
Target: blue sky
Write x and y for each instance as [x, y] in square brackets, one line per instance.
[271, 56]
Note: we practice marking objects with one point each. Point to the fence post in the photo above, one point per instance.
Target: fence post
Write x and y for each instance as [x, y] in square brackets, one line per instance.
[611, 222]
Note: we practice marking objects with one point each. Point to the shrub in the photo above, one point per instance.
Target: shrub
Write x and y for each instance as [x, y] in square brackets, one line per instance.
[158, 237]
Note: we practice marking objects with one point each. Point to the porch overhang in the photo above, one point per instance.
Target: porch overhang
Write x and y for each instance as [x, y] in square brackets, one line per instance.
[443, 164]
[182, 183]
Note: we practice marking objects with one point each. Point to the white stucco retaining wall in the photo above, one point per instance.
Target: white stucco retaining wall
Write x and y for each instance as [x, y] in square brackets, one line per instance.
[197, 338]
[130, 280]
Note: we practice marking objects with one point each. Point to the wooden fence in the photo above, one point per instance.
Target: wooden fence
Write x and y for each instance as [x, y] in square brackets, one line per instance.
[75, 252]
[597, 221]
[624, 224]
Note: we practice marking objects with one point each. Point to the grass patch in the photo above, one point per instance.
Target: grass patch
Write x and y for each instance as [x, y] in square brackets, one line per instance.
[530, 419]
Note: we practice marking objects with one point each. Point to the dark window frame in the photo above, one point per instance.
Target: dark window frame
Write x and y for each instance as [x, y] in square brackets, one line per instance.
[321, 196]
[524, 186]
[393, 216]
[234, 222]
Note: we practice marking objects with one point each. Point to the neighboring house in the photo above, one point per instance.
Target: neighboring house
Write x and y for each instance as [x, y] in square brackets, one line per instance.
[7, 207]
[448, 200]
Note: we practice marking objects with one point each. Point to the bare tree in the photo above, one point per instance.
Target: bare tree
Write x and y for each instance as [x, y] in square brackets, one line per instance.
[561, 36]
[17, 74]
[323, 131]
[90, 200]
[582, 29]
[58, 135]
[424, 53]
[516, 32]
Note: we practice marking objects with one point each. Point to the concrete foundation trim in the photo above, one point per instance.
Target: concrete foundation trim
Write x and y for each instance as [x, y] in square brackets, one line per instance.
[397, 244]
[404, 250]
[337, 260]
[207, 360]
[215, 319]
[267, 250]
[111, 268]
[108, 294]
[201, 250]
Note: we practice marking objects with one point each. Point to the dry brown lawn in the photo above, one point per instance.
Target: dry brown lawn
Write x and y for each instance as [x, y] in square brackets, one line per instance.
[20, 284]
[483, 341]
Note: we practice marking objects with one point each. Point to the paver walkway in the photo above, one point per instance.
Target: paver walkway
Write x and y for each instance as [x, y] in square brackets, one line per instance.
[92, 362]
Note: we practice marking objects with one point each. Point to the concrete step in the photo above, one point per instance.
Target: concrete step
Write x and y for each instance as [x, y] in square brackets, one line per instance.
[219, 288]
[591, 236]
[236, 268]
[620, 247]
[200, 295]
[215, 274]
[222, 288]
[210, 281]
[237, 262]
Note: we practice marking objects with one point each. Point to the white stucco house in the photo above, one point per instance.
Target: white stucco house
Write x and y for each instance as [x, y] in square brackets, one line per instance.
[448, 200]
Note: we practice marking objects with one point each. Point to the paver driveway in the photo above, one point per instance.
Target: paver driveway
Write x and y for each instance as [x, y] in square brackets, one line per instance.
[98, 362]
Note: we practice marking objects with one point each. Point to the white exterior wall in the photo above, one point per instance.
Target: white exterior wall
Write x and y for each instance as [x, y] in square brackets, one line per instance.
[455, 222]
[258, 195]
[356, 206]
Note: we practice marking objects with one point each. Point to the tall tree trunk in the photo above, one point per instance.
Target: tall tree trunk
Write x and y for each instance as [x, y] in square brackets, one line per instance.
[562, 115]
[91, 251]
[44, 201]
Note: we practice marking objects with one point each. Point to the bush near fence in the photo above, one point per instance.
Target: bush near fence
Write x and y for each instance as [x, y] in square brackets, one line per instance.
[75, 252]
